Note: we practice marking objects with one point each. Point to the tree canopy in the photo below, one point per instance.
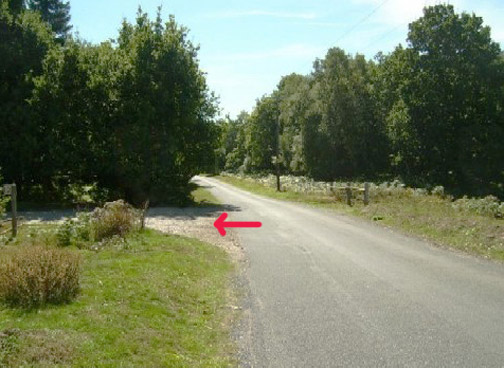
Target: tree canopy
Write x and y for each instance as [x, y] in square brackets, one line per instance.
[54, 12]
[133, 117]
[429, 113]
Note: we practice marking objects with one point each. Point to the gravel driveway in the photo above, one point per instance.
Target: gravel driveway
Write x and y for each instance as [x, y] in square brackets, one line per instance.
[195, 222]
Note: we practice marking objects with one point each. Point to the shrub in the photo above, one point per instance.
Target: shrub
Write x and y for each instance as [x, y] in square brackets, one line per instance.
[32, 276]
[74, 231]
[487, 206]
[115, 218]
[65, 233]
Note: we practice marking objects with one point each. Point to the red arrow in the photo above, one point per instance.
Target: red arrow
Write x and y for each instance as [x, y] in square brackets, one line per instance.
[220, 225]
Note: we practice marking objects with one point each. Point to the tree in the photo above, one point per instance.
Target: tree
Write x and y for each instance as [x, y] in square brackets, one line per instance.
[24, 42]
[232, 142]
[135, 118]
[292, 95]
[262, 136]
[163, 130]
[54, 12]
[446, 95]
[14, 6]
[343, 139]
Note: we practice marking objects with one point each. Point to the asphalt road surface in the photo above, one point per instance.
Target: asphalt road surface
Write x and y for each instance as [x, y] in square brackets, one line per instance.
[326, 290]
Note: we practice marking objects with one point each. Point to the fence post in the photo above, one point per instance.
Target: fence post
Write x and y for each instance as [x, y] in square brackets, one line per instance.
[145, 207]
[14, 209]
[366, 193]
[348, 191]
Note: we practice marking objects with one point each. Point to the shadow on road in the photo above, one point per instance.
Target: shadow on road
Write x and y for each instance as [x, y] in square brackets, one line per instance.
[191, 213]
[43, 216]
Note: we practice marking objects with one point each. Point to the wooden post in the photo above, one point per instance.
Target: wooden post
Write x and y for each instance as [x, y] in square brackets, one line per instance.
[14, 209]
[366, 193]
[145, 207]
[348, 191]
[278, 185]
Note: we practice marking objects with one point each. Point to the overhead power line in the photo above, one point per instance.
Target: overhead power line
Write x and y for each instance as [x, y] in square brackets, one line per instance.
[352, 28]
[383, 36]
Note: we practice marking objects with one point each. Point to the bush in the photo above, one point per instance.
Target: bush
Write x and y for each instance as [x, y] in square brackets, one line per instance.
[75, 231]
[487, 206]
[115, 218]
[32, 276]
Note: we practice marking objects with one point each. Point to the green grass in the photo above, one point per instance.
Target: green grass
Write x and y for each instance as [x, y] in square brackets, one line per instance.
[158, 301]
[428, 217]
[203, 197]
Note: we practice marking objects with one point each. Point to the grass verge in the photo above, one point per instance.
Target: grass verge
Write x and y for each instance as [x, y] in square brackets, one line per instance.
[203, 197]
[429, 217]
[157, 301]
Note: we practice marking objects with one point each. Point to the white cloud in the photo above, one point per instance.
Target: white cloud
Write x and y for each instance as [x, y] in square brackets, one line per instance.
[395, 12]
[249, 13]
[401, 12]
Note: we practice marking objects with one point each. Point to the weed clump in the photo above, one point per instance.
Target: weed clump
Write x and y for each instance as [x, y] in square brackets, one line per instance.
[32, 276]
[114, 219]
[111, 222]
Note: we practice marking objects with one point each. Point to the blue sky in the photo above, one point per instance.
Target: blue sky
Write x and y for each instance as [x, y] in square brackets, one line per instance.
[246, 46]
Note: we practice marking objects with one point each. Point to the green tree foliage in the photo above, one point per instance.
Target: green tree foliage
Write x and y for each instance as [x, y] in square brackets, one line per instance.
[14, 6]
[163, 126]
[232, 150]
[133, 117]
[24, 42]
[262, 137]
[430, 113]
[342, 132]
[293, 98]
[54, 12]
[443, 97]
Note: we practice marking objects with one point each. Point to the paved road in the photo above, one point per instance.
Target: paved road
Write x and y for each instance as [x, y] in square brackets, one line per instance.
[329, 291]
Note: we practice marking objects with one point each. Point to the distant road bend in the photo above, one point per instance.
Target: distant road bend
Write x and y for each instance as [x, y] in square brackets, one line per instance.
[326, 290]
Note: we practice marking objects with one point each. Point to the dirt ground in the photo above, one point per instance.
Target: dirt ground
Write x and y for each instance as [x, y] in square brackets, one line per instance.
[195, 222]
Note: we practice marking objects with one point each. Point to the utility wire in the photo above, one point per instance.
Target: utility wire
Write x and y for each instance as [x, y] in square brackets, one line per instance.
[352, 28]
[383, 36]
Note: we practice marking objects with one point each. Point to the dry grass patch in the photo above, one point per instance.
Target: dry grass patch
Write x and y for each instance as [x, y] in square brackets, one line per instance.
[31, 276]
[36, 348]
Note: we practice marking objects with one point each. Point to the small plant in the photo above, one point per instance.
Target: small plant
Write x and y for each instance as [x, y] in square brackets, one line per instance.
[65, 233]
[115, 218]
[32, 276]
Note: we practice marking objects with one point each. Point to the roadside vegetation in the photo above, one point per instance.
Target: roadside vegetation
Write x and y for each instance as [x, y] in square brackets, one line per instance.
[100, 291]
[471, 225]
[98, 122]
[430, 113]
